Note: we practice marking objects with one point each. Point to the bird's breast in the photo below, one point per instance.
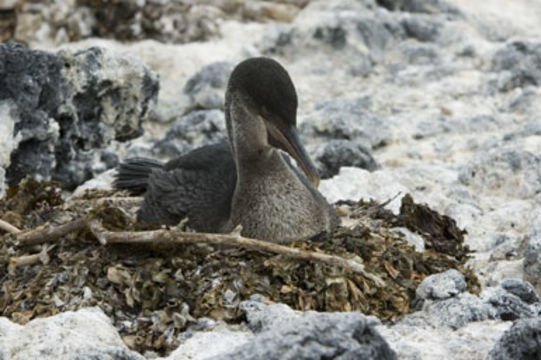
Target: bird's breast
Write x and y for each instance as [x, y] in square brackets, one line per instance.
[272, 203]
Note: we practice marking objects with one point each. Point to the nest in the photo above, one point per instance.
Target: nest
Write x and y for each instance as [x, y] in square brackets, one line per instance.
[152, 293]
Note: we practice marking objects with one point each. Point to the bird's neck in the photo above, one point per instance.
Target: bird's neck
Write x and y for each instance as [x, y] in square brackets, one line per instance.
[247, 133]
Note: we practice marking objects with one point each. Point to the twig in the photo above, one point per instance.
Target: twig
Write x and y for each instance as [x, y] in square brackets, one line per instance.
[45, 234]
[15, 262]
[135, 200]
[169, 237]
[42, 256]
[4, 225]
[96, 229]
[388, 201]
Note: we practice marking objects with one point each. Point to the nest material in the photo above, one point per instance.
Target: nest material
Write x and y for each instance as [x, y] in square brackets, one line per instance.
[152, 293]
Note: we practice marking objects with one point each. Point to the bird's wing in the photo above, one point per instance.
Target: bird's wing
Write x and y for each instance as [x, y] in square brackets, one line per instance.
[199, 185]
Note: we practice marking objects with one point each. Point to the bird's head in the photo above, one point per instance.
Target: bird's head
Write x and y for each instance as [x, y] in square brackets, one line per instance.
[261, 110]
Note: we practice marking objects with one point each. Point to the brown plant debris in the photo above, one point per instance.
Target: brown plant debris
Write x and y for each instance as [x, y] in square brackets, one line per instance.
[46, 234]
[153, 291]
[441, 232]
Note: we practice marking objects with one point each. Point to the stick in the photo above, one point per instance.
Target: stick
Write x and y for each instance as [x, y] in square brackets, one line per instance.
[32, 259]
[135, 200]
[15, 262]
[45, 234]
[4, 225]
[168, 237]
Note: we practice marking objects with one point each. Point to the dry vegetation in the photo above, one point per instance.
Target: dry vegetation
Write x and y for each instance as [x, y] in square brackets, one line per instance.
[152, 291]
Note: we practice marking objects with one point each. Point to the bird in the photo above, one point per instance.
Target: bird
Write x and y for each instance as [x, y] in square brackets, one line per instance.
[248, 180]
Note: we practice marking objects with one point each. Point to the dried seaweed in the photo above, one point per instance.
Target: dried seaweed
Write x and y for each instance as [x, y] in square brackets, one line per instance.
[152, 293]
[441, 232]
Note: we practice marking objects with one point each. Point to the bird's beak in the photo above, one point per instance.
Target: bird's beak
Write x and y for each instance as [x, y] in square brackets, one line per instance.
[285, 137]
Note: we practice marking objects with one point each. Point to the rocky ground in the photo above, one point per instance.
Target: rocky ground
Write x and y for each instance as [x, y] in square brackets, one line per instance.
[438, 99]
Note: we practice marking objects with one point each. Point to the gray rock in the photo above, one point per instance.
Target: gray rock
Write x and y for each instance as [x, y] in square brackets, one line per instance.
[31, 85]
[334, 35]
[360, 66]
[261, 317]
[276, 40]
[284, 334]
[452, 313]
[419, 6]
[524, 101]
[377, 33]
[164, 21]
[198, 128]
[330, 157]
[504, 246]
[340, 28]
[69, 107]
[532, 128]
[523, 289]
[441, 286]
[84, 334]
[536, 309]
[442, 308]
[466, 125]
[521, 342]
[344, 28]
[501, 169]
[532, 262]
[342, 31]
[346, 120]
[207, 87]
[519, 63]
[420, 54]
[422, 27]
[510, 307]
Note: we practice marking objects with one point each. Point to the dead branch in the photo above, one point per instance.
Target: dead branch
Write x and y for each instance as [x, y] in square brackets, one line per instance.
[15, 262]
[42, 256]
[132, 200]
[169, 237]
[45, 234]
[4, 225]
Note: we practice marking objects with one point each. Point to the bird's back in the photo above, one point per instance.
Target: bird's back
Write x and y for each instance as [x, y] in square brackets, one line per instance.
[198, 185]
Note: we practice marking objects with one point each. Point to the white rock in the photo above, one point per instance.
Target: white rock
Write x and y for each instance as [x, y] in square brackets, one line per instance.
[84, 334]
[356, 184]
[207, 344]
[104, 181]
[441, 286]
[473, 341]
[411, 238]
[8, 142]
